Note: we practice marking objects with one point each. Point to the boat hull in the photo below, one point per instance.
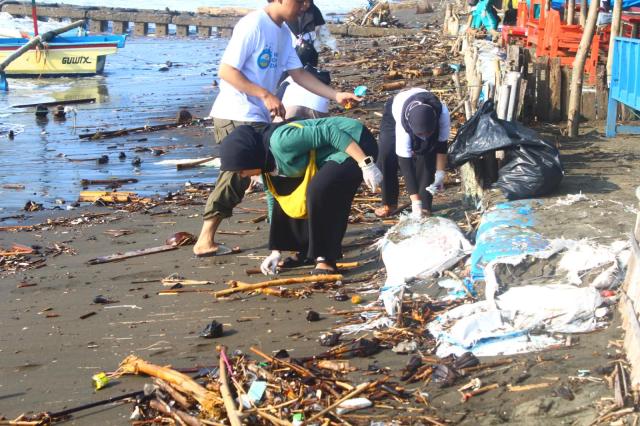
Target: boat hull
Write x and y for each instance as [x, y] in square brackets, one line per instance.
[62, 56]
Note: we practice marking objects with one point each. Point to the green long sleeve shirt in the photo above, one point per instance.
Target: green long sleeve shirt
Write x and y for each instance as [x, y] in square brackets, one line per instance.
[291, 144]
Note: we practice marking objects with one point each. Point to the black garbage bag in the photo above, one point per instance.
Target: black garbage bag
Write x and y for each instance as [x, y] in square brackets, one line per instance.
[532, 165]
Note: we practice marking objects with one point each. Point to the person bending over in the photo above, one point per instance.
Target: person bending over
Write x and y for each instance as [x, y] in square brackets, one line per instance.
[413, 135]
[312, 208]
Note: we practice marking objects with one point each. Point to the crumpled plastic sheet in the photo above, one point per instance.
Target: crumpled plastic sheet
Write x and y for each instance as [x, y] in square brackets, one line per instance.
[418, 249]
[515, 321]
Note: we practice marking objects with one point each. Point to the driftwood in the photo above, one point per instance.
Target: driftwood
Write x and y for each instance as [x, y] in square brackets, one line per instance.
[181, 417]
[193, 164]
[87, 182]
[173, 281]
[303, 372]
[395, 85]
[145, 129]
[181, 382]
[106, 196]
[56, 103]
[357, 391]
[238, 286]
[129, 254]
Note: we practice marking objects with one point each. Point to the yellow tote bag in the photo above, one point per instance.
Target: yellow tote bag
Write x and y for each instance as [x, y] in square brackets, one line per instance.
[295, 204]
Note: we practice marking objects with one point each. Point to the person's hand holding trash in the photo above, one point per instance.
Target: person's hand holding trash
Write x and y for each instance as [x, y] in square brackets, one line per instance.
[438, 183]
[269, 265]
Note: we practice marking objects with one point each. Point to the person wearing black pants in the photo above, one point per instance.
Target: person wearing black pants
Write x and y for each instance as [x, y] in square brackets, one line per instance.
[413, 138]
[344, 151]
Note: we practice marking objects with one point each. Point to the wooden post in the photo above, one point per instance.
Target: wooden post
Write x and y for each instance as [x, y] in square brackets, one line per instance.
[530, 95]
[577, 74]
[615, 31]
[602, 93]
[542, 88]
[566, 91]
[571, 11]
[555, 90]
[583, 13]
[447, 15]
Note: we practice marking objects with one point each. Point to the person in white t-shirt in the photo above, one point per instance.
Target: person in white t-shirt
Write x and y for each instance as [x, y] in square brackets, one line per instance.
[259, 51]
[413, 135]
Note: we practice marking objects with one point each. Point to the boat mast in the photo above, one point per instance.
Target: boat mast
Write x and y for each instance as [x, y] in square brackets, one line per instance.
[35, 17]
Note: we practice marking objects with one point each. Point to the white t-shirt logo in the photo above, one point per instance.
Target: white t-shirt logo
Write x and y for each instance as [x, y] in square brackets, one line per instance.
[264, 59]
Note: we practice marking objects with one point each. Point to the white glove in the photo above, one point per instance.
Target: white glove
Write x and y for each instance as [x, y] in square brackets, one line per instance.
[438, 183]
[416, 210]
[372, 176]
[269, 266]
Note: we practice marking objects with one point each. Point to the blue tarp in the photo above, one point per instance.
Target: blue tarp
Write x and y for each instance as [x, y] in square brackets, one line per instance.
[506, 231]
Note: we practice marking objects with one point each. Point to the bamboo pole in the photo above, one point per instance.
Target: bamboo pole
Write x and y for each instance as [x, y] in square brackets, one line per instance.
[615, 31]
[240, 286]
[571, 11]
[229, 405]
[577, 74]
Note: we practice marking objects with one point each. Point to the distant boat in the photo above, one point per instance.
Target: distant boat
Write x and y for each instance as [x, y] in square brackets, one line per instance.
[61, 56]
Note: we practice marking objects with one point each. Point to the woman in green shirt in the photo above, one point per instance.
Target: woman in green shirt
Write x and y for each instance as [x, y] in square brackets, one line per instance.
[345, 152]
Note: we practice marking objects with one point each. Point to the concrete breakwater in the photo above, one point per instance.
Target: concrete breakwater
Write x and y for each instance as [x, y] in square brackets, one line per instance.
[205, 24]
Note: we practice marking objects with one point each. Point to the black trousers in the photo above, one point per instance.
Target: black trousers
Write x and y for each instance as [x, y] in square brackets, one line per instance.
[425, 165]
[329, 197]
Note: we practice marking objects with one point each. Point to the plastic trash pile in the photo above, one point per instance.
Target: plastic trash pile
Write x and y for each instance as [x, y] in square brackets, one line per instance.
[415, 249]
[534, 287]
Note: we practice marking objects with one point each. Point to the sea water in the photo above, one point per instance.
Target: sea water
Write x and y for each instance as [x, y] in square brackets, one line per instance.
[132, 92]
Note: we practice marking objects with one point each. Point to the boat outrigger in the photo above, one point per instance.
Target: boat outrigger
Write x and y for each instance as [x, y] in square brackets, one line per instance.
[56, 53]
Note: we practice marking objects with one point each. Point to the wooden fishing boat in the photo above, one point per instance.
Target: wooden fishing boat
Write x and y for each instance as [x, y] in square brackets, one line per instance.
[60, 56]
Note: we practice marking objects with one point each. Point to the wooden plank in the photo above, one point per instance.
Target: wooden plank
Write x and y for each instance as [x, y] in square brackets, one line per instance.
[588, 103]
[630, 306]
[555, 90]
[602, 93]
[566, 84]
[514, 57]
[528, 108]
[542, 88]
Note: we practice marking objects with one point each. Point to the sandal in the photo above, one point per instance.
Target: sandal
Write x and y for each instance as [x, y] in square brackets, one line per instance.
[295, 261]
[322, 271]
[384, 211]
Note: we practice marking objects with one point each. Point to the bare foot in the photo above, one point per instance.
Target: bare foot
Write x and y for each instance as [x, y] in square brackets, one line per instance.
[384, 211]
[206, 244]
